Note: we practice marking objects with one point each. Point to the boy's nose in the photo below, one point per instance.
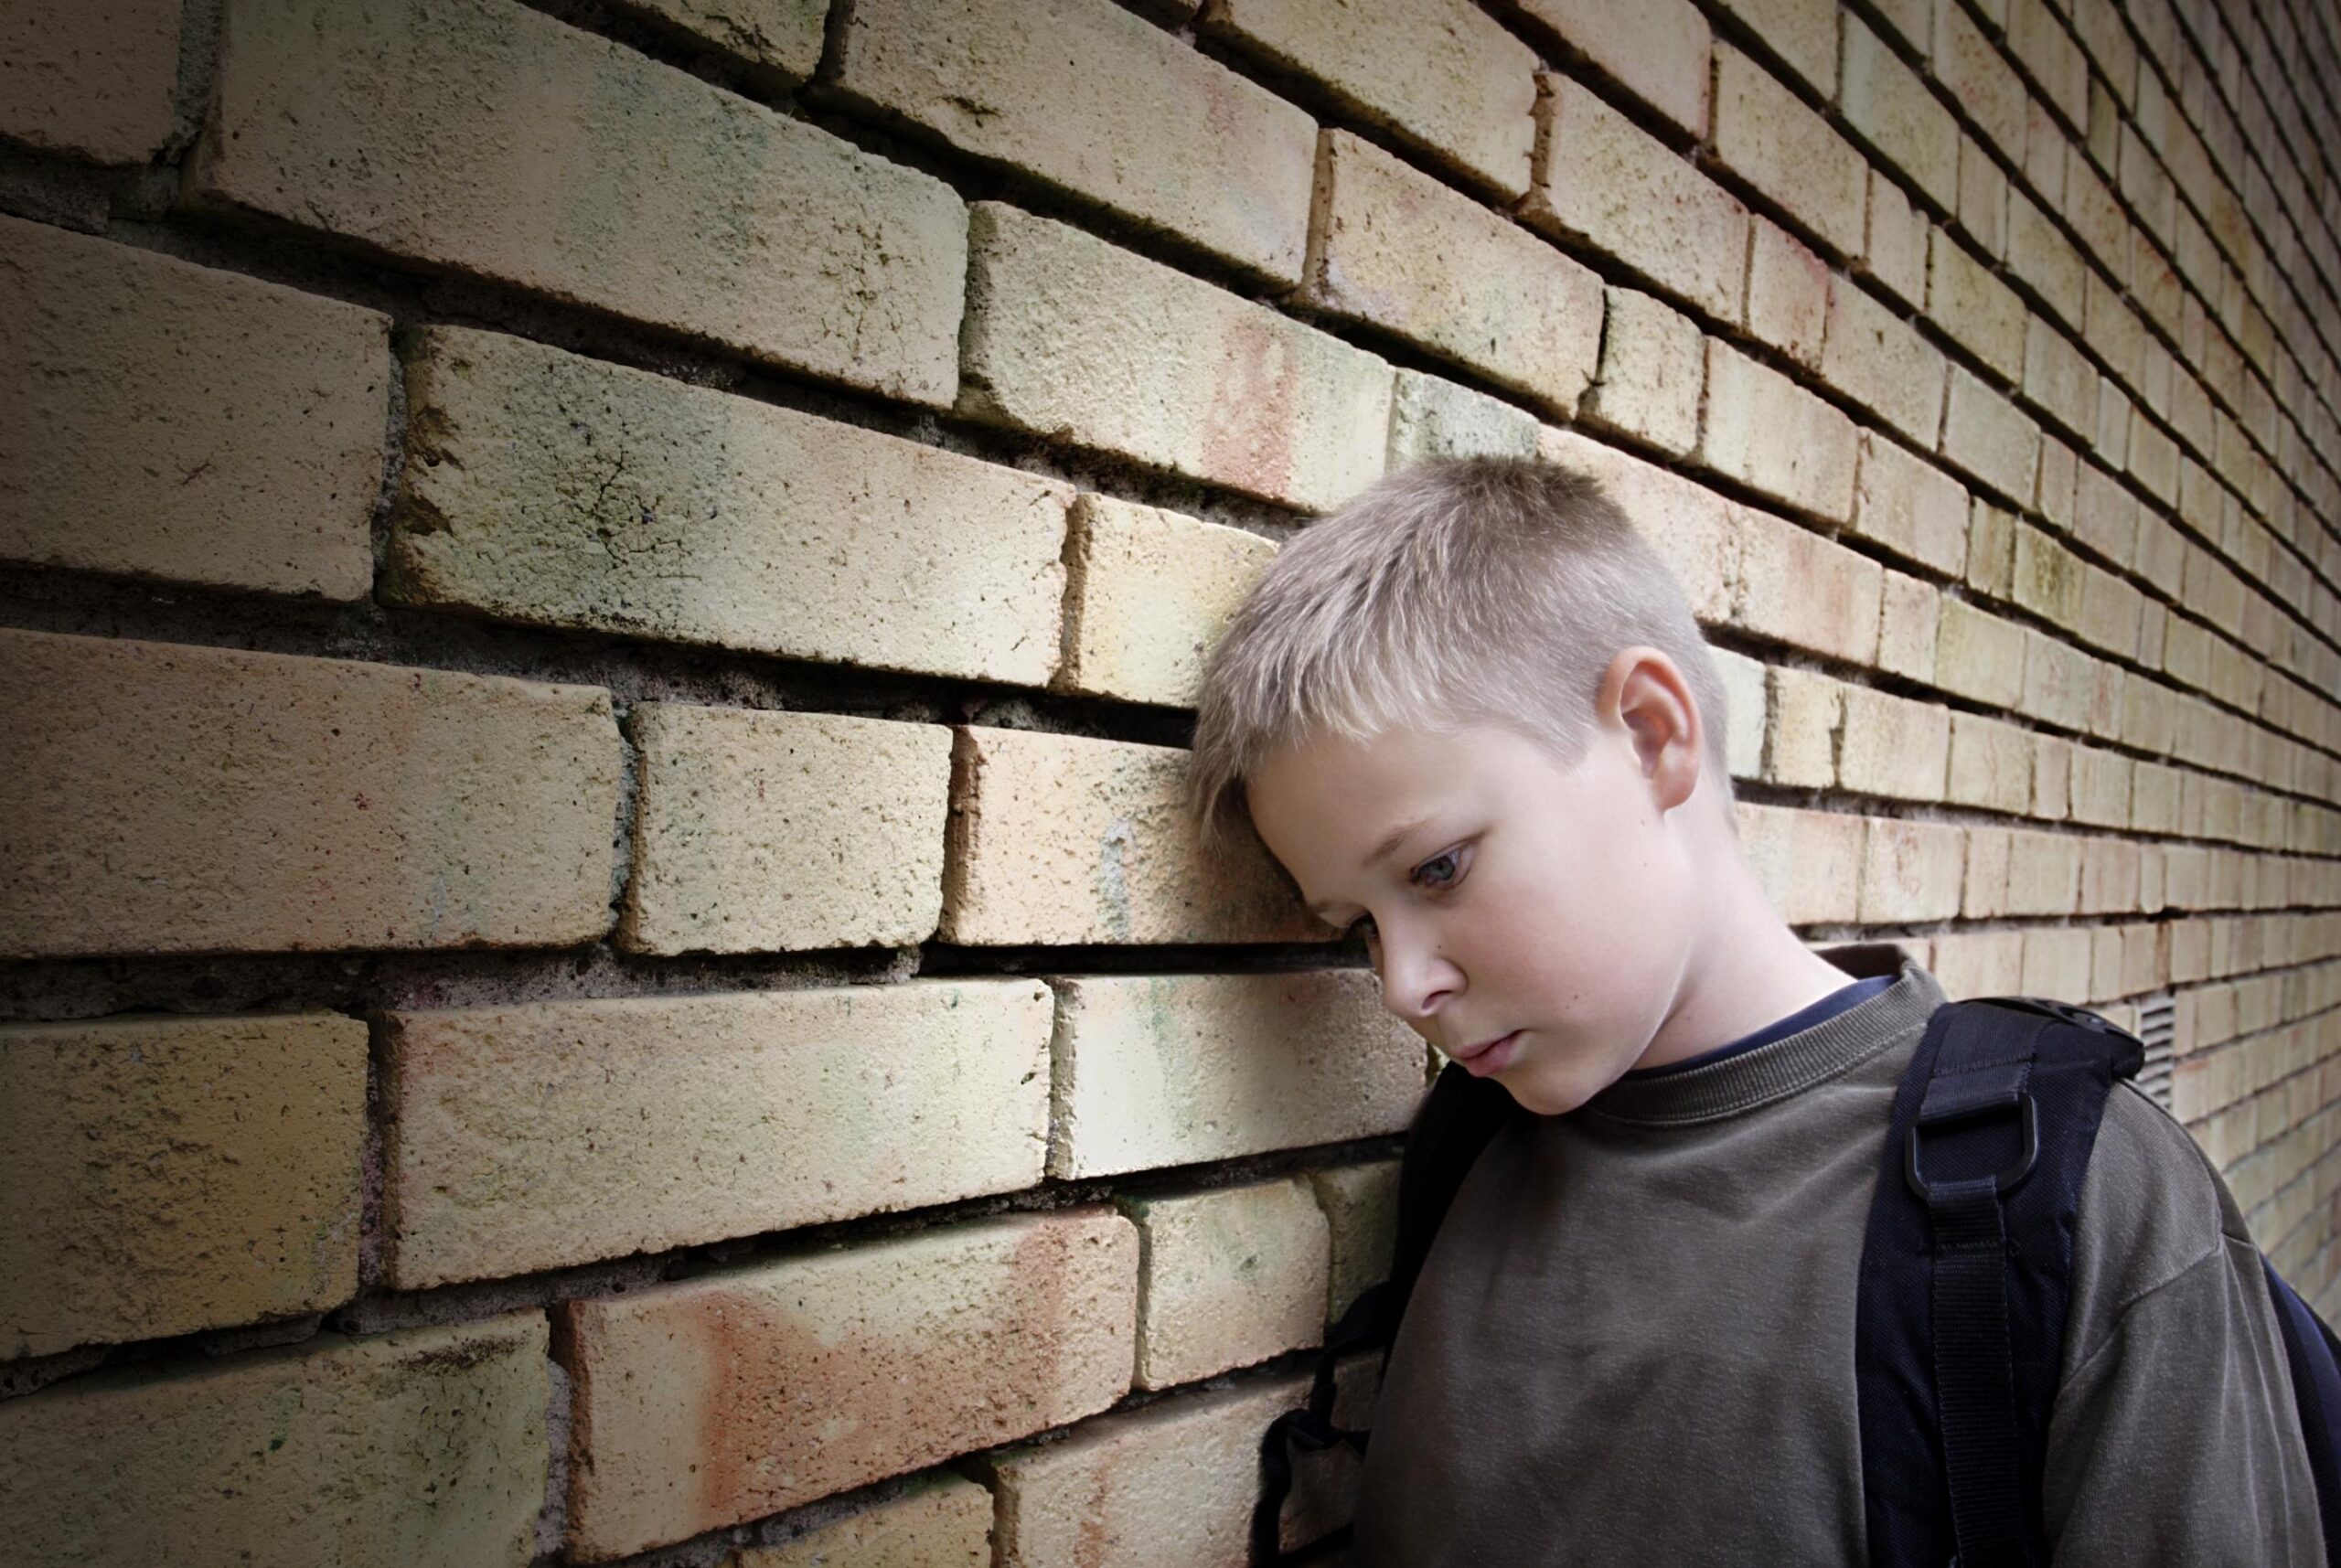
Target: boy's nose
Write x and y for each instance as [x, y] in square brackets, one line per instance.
[1415, 979]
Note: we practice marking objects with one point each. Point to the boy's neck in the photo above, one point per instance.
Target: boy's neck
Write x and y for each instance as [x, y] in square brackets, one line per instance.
[1745, 969]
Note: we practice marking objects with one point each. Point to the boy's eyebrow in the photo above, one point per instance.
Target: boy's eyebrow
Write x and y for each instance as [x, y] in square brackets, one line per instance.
[1388, 842]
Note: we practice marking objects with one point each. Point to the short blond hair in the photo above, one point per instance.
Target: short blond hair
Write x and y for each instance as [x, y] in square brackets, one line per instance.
[1458, 591]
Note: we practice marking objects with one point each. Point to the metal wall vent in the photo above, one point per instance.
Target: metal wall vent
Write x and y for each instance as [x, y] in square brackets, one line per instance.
[2158, 1027]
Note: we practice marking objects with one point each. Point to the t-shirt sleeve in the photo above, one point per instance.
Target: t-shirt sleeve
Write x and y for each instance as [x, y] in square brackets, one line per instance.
[2174, 1438]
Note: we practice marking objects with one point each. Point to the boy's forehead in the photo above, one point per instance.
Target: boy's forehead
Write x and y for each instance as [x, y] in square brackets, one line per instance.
[1362, 796]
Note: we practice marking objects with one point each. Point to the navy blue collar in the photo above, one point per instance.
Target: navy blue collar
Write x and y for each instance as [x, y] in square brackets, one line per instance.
[1851, 995]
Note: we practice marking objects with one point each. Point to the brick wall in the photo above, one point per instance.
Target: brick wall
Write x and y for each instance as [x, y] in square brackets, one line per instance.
[597, 956]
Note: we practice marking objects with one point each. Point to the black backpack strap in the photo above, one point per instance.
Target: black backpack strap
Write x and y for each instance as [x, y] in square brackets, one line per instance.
[1458, 1118]
[1454, 1122]
[1960, 1324]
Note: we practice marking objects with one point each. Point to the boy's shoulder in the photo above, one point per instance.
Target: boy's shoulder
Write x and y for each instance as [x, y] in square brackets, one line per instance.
[2152, 1207]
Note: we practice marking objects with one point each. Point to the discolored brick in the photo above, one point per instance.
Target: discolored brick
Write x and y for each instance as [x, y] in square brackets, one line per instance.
[1805, 590]
[1394, 248]
[1064, 838]
[1361, 1204]
[1433, 417]
[1234, 393]
[746, 1392]
[1603, 182]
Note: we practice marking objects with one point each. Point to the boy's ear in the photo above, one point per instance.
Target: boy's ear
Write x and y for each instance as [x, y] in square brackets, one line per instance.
[1644, 690]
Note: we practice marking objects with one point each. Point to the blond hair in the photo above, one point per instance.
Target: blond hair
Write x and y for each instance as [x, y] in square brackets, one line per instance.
[1458, 591]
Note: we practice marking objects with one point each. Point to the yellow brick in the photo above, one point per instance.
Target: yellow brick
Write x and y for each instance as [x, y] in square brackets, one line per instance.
[1908, 627]
[1911, 871]
[1176, 1069]
[1147, 593]
[1805, 715]
[1769, 138]
[1971, 304]
[1766, 432]
[1808, 862]
[200, 799]
[90, 82]
[537, 1135]
[765, 831]
[1441, 75]
[1658, 50]
[1893, 746]
[1876, 358]
[550, 489]
[1653, 372]
[1227, 1277]
[1979, 656]
[1991, 765]
[178, 422]
[1391, 248]
[426, 1446]
[168, 1175]
[1238, 394]
[1910, 506]
[483, 136]
[1064, 838]
[942, 1521]
[1084, 96]
[1888, 102]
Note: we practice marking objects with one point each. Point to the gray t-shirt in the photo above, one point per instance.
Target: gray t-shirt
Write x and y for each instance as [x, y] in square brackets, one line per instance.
[1633, 1340]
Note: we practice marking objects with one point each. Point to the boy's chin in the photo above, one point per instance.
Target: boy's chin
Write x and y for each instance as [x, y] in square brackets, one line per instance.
[1547, 1098]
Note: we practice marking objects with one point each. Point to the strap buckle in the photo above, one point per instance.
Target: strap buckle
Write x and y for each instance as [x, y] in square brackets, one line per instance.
[2006, 1180]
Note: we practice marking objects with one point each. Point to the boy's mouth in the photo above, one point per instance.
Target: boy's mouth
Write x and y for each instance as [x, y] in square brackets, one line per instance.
[1489, 1055]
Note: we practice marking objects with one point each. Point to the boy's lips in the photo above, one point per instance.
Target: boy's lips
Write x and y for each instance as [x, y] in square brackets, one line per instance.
[1487, 1056]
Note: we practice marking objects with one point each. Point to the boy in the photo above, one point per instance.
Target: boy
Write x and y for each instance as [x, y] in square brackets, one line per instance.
[1472, 718]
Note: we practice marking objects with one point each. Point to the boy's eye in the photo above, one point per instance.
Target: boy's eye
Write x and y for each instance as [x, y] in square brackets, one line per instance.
[1442, 870]
[1439, 874]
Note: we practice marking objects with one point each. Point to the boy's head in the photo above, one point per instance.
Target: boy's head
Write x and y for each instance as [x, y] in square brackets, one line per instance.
[1472, 711]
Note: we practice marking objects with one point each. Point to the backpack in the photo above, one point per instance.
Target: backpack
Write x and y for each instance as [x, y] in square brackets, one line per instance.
[1966, 1271]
